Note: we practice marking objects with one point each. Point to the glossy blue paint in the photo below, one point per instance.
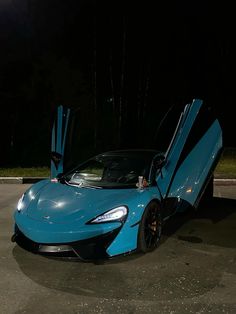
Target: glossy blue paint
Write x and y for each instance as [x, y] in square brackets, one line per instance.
[126, 240]
[197, 166]
[176, 146]
[67, 210]
[44, 231]
[53, 212]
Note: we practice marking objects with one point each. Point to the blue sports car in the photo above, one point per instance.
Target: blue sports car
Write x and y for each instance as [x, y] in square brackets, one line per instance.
[117, 202]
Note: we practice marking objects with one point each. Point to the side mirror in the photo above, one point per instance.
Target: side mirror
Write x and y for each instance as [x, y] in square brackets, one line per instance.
[60, 175]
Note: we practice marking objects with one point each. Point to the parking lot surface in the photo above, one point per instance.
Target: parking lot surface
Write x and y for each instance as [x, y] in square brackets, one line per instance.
[192, 271]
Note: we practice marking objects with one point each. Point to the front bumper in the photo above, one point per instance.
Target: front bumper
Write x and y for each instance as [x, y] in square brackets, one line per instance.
[89, 249]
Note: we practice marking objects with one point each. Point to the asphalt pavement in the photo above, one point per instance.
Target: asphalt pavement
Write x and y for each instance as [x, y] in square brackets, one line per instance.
[192, 271]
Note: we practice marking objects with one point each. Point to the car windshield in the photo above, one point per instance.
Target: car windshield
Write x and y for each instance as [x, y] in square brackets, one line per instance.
[111, 171]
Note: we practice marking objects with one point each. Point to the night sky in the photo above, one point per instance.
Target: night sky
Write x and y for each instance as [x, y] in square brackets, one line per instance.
[119, 66]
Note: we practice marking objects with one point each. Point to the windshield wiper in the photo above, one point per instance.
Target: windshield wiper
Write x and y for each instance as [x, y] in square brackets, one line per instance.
[90, 186]
[83, 185]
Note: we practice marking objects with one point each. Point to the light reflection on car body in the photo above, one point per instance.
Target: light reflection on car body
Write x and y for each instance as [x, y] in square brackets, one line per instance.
[97, 210]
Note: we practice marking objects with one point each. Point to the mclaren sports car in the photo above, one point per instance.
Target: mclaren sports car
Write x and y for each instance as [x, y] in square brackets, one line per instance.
[117, 202]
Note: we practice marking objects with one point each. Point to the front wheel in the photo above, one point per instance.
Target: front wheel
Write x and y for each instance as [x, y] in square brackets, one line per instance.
[150, 228]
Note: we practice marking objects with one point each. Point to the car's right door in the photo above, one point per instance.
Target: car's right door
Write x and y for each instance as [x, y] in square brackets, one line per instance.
[192, 154]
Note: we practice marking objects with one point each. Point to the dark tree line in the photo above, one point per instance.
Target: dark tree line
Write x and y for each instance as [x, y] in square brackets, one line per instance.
[118, 66]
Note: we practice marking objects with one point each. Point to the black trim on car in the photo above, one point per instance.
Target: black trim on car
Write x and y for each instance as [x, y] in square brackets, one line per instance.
[137, 223]
[201, 125]
[89, 249]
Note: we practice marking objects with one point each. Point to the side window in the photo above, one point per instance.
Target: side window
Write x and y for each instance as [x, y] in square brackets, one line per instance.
[202, 123]
[167, 127]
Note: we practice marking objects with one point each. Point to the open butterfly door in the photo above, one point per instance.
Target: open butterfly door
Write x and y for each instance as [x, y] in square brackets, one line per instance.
[193, 153]
[59, 135]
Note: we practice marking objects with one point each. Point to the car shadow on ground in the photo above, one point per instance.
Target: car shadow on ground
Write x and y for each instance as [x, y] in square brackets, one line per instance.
[215, 210]
[212, 213]
[117, 278]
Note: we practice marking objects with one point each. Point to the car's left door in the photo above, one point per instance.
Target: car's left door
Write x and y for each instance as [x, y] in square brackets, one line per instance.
[58, 144]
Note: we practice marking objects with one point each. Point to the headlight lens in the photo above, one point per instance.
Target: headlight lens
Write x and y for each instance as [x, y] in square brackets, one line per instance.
[116, 214]
[20, 203]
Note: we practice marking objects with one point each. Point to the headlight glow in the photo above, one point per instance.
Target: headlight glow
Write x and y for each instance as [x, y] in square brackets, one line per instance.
[20, 203]
[116, 214]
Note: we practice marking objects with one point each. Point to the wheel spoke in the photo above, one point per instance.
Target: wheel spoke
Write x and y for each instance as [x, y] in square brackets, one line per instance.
[150, 228]
[150, 242]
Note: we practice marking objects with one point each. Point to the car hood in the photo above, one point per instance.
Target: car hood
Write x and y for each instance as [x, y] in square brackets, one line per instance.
[60, 203]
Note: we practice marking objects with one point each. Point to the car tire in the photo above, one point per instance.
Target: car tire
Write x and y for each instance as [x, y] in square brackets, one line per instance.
[150, 228]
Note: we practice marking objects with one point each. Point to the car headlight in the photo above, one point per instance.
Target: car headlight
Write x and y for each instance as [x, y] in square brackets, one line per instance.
[115, 214]
[20, 203]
